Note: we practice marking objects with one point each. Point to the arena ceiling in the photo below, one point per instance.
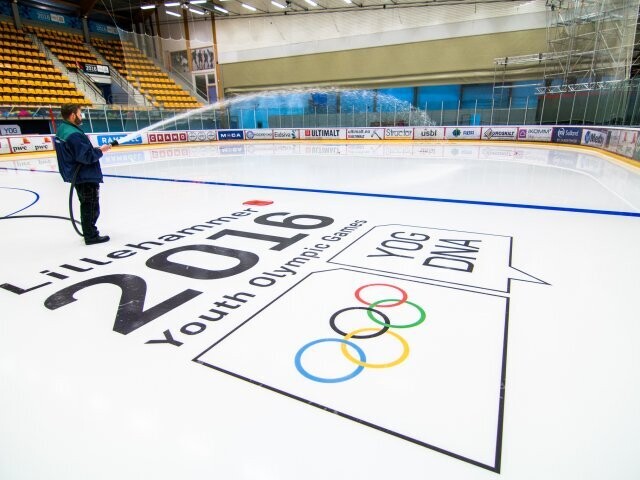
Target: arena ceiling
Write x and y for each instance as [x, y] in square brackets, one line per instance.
[125, 11]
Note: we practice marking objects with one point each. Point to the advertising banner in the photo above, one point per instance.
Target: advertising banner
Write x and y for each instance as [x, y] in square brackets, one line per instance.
[167, 137]
[323, 133]
[261, 134]
[102, 28]
[10, 130]
[4, 146]
[230, 134]
[32, 143]
[285, 133]
[428, 133]
[398, 133]
[365, 133]
[535, 134]
[38, 15]
[593, 138]
[99, 139]
[463, 133]
[571, 135]
[499, 133]
[201, 135]
[626, 142]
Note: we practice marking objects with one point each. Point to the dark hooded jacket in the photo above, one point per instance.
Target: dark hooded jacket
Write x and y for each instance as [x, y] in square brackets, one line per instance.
[74, 148]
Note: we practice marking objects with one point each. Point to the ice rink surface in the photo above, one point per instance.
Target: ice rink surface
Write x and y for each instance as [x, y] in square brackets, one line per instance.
[324, 311]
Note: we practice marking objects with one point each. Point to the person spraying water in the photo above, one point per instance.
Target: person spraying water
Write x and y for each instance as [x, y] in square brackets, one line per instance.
[79, 164]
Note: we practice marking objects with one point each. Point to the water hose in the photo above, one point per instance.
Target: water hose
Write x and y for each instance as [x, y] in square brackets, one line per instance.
[73, 184]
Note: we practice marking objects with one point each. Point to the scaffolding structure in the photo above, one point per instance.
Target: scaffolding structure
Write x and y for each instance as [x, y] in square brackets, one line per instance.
[592, 41]
[593, 45]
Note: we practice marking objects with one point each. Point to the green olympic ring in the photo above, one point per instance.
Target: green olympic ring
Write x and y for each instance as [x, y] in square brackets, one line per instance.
[423, 314]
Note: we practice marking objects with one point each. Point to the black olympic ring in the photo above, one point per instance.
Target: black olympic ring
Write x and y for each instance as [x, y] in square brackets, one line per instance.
[332, 322]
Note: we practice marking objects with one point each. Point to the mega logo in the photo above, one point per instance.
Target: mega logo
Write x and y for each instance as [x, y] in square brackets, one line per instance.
[230, 134]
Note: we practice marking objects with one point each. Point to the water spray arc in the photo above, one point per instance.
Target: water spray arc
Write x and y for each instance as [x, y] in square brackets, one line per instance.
[382, 99]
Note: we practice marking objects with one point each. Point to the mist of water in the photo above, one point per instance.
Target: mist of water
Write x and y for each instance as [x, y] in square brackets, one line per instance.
[383, 100]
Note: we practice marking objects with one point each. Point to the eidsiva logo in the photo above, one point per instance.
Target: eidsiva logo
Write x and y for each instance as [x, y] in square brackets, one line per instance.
[383, 325]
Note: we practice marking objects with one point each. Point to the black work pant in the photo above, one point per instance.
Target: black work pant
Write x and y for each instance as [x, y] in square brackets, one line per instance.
[89, 195]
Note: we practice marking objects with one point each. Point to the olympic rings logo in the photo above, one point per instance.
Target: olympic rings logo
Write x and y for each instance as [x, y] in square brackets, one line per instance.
[375, 315]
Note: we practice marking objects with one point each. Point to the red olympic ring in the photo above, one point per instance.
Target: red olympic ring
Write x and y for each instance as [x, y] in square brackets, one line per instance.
[404, 298]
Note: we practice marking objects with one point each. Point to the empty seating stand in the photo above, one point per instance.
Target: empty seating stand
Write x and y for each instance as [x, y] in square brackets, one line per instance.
[68, 47]
[152, 82]
[27, 77]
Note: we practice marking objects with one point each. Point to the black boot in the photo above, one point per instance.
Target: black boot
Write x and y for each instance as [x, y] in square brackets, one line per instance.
[96, 239]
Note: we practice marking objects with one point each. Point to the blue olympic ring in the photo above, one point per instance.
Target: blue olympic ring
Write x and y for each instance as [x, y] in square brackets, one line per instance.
[306, 374]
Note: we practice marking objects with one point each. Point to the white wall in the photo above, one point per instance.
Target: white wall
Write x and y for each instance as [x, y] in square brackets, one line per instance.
[247, 39]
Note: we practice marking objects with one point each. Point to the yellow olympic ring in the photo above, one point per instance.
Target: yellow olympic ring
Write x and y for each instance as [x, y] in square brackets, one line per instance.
[402, 358]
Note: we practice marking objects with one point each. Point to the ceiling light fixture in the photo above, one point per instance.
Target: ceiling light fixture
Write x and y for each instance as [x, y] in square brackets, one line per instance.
[174, 14]
[193, 10]
[220, 9]
[172, 4]
[147, 7]
[249, 7]
[276, 4]
[312, 3]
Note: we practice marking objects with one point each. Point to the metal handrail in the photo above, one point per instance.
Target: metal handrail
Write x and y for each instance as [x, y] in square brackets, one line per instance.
[183, 81]
[87, 87]
[134, 93]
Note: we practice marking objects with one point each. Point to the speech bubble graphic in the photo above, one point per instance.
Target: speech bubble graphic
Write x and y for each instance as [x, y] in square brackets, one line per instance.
[388, 353]
[471, 259]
